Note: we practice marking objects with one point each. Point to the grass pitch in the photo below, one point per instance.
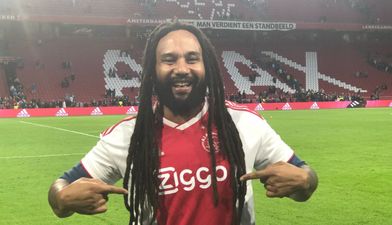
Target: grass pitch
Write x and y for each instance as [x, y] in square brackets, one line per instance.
[351, 150]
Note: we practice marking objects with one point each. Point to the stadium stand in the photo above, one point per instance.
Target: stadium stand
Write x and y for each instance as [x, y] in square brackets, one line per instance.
[105, 59]
[86, 56]
[92, 59]
[331, 11]
[3, 85]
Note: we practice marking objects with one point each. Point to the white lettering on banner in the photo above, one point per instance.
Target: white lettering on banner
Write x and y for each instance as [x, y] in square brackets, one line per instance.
[110, 59]
[314, 106]
[226, 25]
[9, 17]
[170, 179]
[147, 21]
[259, 107]
[377, 27]
[131, 111]
[61, 112]
[96, 112]
[23, 113]
[242, 25]
[286, 107]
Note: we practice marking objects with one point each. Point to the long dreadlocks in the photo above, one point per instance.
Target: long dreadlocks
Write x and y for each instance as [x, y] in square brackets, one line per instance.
[143, 161]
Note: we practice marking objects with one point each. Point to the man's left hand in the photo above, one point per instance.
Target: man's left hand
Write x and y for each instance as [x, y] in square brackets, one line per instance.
[282, 179]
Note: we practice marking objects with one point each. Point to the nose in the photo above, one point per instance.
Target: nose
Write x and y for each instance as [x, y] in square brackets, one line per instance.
[182, 67]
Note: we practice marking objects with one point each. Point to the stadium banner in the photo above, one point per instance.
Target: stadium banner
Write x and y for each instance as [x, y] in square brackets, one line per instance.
[132, 110]
[297, 105]
[225, 24]
[377, 27]
[9, 17]
[63, 112]
[378, 103]
[329, 26]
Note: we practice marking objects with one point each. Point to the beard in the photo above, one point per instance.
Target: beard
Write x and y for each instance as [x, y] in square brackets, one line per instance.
[177, 103]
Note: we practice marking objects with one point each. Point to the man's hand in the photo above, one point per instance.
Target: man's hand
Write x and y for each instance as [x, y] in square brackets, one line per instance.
[286, 180]
[84, 196]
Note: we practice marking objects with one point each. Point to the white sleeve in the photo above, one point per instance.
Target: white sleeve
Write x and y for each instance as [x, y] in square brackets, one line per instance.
[272, 148]
[261, 144]
[107, 159]
[99, 165]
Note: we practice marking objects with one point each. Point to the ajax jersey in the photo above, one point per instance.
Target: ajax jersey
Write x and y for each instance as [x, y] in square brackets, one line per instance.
[185, 191]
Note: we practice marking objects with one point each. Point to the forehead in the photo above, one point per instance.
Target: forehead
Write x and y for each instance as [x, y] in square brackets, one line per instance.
[179, 40]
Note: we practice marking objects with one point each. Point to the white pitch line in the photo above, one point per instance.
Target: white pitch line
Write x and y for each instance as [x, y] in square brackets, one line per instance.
[62, 129]
[53, 155]
[40, 156]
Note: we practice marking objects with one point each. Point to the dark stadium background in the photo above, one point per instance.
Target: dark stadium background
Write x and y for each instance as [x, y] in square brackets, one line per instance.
[52, 53]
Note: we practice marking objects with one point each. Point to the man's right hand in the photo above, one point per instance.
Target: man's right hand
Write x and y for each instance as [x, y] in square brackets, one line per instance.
[84, 196]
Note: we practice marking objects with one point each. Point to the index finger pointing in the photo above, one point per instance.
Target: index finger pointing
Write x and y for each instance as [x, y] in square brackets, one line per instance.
[111, 189]
[260, 174]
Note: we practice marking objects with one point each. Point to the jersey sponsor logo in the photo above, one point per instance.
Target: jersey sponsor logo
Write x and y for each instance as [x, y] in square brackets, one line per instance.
[61, 112]
[23, 113]
[286, 107]
[173, 181]
[259, 107]
[96, 112]
[215, 140]
[314, 106]
[131, 111]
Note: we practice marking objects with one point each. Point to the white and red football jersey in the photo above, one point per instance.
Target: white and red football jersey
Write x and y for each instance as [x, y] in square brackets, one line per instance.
[186, 188]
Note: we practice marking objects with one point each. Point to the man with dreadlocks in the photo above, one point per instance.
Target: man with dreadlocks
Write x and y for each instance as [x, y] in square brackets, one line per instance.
[187, 159]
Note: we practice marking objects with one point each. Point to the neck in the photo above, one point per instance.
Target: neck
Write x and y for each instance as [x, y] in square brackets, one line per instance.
[183, 117]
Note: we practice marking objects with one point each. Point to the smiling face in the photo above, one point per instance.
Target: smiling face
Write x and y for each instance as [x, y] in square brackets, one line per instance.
[180, 72]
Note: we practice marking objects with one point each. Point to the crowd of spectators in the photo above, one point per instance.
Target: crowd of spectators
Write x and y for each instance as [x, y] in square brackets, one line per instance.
[16, 88]
[274, 95]
[377, 91]
[13, 103]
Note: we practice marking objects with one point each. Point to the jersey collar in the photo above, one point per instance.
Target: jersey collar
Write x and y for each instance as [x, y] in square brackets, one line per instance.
[188, 123]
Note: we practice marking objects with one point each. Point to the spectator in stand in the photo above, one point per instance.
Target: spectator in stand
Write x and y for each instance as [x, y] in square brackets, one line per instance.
[72, 76]
[13, 90]
[65, 83]
[67, 64]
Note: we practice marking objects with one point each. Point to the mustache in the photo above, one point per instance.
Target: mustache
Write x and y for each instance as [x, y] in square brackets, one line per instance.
[182, 79]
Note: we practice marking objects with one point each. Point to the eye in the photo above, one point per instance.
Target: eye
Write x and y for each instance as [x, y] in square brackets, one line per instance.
[168, 60]
[193, 58]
